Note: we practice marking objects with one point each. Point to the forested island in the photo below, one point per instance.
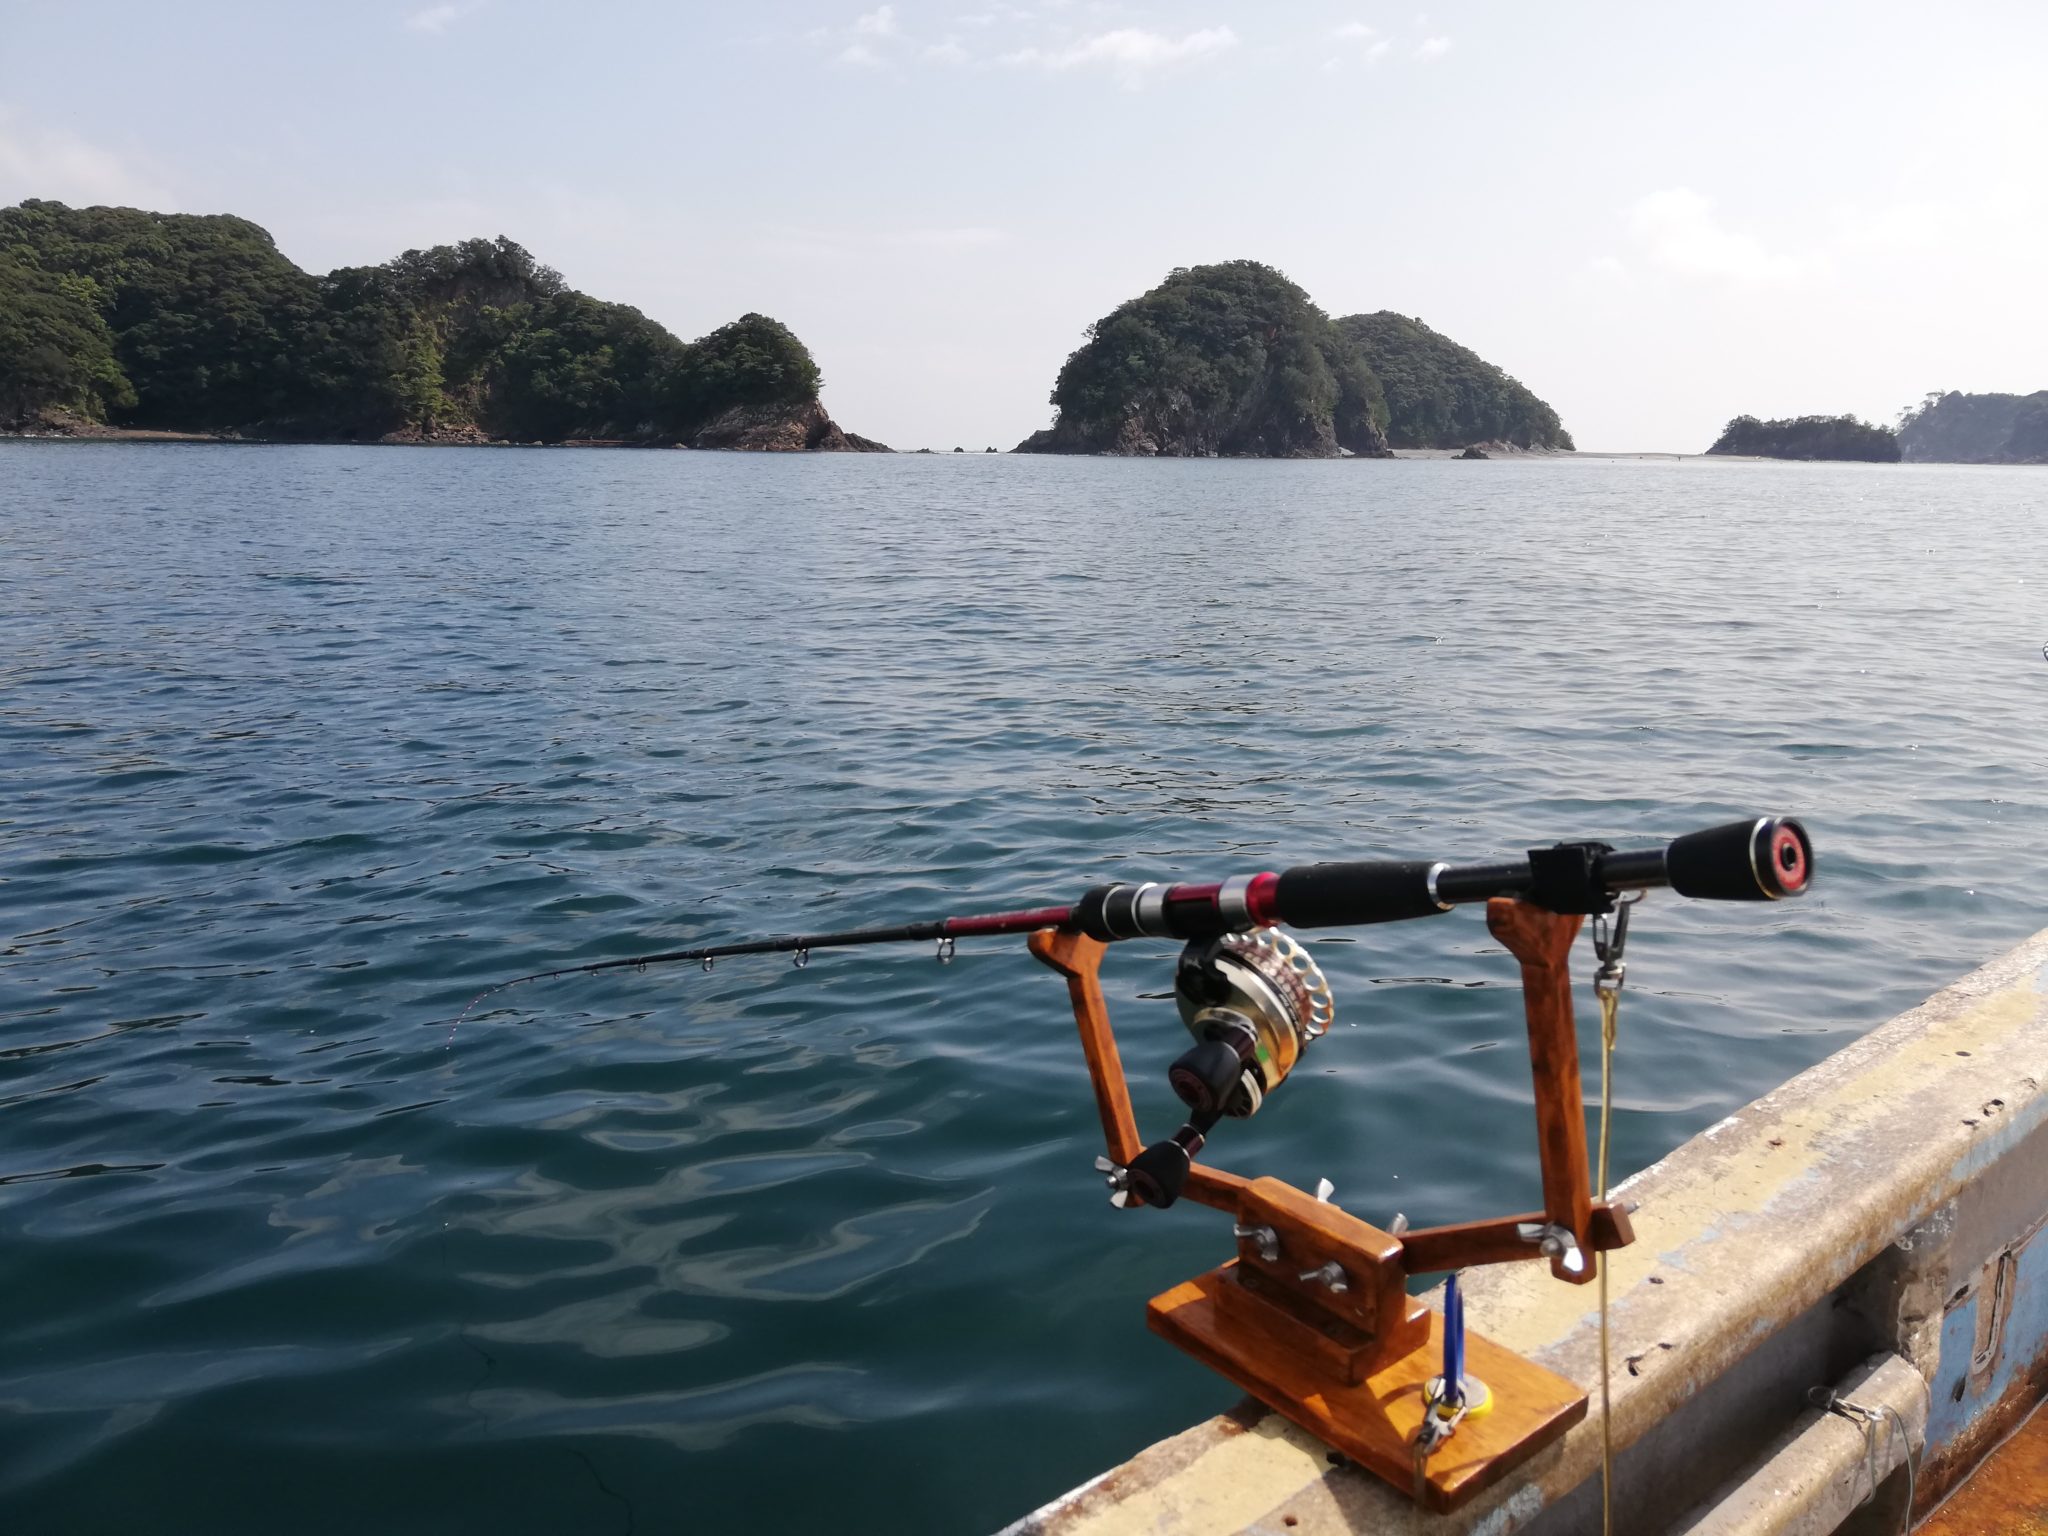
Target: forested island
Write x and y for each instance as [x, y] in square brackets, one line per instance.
[1235, 360]
[1952, 428]
[1809, 437]
[198, 324]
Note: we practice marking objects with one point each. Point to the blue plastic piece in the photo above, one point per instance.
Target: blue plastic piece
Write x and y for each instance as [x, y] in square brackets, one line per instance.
[1454, 1341]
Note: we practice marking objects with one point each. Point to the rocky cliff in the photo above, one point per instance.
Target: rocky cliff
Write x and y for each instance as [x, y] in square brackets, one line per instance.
[781, 429]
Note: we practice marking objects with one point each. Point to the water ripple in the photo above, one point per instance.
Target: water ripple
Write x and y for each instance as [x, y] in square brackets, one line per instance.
[300, 749]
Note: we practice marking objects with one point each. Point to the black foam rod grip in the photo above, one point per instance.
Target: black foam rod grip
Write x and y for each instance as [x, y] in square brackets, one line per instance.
[1765, 859]
[1339, 895]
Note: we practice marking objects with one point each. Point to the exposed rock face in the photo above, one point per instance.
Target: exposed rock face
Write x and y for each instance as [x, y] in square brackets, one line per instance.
[782, 429]
[1229, 360]
[463, 434]
[1956, 428]
[52, 421]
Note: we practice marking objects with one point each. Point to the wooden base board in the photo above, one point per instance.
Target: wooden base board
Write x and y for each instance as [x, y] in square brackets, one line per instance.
[1374, 1423]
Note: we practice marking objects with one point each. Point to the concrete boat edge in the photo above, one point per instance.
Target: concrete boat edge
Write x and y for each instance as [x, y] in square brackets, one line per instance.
[1882, 1203]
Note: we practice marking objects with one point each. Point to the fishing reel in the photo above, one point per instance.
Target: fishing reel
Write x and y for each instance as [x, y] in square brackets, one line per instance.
[1253, 1001]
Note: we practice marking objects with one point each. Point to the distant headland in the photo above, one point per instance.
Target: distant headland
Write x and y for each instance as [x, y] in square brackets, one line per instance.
[1233, 360]
[1952, 428]
[179, 324]
[1945, 428]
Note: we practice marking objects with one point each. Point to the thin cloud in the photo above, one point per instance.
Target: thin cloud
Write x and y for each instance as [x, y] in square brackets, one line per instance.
[1367, 46]
[1678, 230]
[436, 19]
[948, 52]
[992, 15]
[880, 22]
[1433, 47]
[858, 56]
[51, 163]
[1130, 53]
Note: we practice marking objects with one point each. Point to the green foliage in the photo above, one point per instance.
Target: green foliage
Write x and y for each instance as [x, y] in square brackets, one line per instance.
[753, 361]
[1809, 437]
[577, 367]
[207, 317]
[1952, 428]
[372, 363]
[1225, 359]
[1442, 395]
[172, 320]
[56, 352]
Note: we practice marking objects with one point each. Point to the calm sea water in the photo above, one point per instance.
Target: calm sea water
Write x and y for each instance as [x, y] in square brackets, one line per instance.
[301, 748]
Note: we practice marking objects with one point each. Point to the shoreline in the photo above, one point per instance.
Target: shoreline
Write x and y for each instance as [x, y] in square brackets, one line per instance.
[153, 435]
[100, 434]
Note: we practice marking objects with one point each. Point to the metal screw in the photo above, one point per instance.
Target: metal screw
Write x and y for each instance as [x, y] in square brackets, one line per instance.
[1264, 1239]
[1118, 1179]
[1331, 1275]
[1553, 1242]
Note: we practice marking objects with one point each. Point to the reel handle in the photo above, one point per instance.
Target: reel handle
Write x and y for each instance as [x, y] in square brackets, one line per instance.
[1159, 1173]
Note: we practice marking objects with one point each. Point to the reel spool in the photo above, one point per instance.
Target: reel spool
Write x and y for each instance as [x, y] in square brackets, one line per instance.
[1253, 1001]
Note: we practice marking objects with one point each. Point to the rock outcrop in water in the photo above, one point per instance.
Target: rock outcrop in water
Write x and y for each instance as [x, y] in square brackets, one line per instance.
[116, 317]
[781, 429]
[1809, 437]
[1442, 395]
[1227, 360]
[1955, 428]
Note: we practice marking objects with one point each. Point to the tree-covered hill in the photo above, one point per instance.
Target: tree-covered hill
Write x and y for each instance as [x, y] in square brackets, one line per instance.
[1953, 428]
[1809, 437]
[1231, 359]
[1442, 395]
[200, 324]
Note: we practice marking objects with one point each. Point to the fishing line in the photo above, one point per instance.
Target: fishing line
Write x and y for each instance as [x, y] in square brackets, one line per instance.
[1608, 948]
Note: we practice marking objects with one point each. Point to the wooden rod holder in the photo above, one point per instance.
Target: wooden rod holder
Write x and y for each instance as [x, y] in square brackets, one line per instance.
[1541, 941]
[1313, 1316]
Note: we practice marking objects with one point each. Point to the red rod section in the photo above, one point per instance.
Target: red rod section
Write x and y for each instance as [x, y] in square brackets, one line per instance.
[1006, 922]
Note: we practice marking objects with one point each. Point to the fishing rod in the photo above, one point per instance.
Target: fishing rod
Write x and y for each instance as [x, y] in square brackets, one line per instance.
[1764, 859]
[1313, 1313]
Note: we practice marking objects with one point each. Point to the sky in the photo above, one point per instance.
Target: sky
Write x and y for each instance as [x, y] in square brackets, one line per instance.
[1657, 216]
